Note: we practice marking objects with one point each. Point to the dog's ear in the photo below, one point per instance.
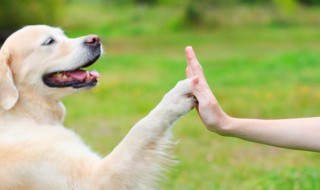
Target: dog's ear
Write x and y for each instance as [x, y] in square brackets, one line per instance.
[8, 92]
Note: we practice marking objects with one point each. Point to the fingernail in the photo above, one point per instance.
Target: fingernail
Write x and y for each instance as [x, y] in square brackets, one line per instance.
[189, 52]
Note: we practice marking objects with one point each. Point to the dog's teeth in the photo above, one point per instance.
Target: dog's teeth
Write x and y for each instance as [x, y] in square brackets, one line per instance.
[88, 75]
[65, 77]
[58, 75]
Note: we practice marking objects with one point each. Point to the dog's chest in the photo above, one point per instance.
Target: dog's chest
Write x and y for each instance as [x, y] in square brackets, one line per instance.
[39, 155]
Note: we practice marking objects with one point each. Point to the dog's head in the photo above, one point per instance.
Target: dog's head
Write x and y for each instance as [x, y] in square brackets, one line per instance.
[41, 60]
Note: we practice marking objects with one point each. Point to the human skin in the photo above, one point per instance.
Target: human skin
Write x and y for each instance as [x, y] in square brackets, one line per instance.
[296, 133]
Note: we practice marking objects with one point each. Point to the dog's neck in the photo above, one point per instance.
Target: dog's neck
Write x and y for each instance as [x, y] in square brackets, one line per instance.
[39, 109]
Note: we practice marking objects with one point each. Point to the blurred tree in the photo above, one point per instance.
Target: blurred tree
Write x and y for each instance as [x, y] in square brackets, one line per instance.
[132, 2]
[309, 2]
[218, 2]
[193, 14]
[254, 1]
[150, 2]
[118, 2]
[17, 13]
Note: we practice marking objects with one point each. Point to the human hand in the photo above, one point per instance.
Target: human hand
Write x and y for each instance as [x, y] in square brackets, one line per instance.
[208, 107]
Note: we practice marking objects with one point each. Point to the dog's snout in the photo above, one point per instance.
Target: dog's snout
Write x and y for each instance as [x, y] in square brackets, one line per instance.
[92, 40]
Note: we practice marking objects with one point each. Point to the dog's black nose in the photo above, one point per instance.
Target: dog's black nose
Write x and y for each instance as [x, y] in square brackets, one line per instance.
[92, 40]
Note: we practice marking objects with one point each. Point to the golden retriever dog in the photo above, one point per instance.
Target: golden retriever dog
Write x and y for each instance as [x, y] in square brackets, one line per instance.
[39, 65]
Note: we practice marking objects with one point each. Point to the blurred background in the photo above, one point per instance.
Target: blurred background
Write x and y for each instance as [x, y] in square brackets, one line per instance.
[261, 58]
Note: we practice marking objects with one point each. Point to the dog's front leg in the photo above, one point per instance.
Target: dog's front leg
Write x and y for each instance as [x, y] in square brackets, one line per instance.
[139, 159]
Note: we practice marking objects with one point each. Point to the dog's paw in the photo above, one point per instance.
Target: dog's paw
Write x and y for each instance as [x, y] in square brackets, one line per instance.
[180, 99]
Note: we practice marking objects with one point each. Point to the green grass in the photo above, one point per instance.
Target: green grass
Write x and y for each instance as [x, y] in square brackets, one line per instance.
[258, 72]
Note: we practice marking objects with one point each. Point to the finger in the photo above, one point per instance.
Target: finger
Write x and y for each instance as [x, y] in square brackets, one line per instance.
[193, 62]
[189, 72]
[195, 68]
[189, 55]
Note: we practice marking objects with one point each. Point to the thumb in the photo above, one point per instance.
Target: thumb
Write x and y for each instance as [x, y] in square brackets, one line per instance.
[196, 88]
[201, 90]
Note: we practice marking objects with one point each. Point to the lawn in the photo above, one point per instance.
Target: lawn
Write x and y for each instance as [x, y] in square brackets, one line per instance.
[257, 72]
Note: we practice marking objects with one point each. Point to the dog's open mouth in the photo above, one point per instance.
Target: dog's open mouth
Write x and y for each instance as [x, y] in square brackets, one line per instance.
[77, 78]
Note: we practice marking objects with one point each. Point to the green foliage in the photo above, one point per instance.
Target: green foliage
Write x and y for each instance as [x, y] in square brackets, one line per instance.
[309, 2]
[17, 13]
[150, 2]
[255, 1]
[193, 14]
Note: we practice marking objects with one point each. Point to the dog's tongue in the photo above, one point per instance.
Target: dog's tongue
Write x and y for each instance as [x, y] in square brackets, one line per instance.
[78, 74]
[81, 74]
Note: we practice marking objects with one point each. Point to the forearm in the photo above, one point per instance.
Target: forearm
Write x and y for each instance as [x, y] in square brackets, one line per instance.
[303, 134]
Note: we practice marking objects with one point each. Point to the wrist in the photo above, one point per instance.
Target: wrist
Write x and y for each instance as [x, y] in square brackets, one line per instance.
[224, 125]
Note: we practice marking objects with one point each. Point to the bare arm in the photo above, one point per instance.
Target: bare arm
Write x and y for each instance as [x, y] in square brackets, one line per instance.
[299, 133]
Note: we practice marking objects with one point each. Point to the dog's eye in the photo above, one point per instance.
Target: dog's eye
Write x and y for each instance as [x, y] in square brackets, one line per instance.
[48, 42]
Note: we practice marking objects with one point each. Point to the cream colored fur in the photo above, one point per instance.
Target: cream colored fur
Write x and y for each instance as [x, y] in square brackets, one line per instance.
[38, 153]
